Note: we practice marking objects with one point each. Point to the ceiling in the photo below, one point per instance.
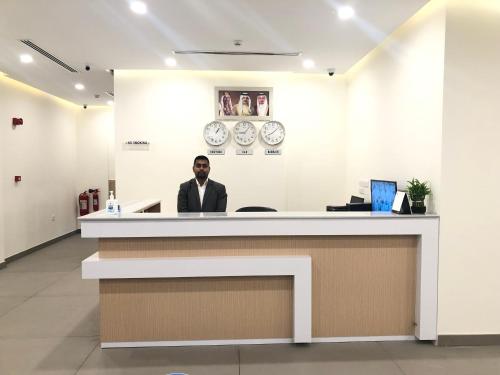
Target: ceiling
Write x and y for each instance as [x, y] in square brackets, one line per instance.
[105, 34]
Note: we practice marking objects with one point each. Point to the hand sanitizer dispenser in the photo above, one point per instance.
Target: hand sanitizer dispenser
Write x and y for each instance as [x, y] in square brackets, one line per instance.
[111, 205]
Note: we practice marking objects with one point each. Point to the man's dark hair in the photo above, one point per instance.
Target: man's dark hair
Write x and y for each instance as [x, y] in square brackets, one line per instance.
[201, 157]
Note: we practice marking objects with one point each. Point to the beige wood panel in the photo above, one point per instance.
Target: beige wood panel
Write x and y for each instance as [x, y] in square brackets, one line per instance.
[362, 286]
[209, 246]
[196, 308]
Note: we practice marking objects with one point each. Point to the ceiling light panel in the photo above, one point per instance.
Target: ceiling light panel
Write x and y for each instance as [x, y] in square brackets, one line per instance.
[138, 7]
[170, 61]
[26, 58]
[308, 64]
[345, 12]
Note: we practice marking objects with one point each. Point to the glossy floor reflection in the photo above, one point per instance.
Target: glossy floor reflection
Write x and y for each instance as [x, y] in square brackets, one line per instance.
[49, 324]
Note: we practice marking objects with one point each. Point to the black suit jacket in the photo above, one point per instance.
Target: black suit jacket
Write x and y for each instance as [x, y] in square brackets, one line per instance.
[214, 200]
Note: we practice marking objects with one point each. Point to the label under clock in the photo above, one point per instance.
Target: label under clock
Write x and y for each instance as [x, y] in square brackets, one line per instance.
[273, 151]
[244, 152]
[216, 151]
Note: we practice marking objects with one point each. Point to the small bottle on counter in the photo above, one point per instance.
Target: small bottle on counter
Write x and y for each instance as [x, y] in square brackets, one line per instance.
[111, 204]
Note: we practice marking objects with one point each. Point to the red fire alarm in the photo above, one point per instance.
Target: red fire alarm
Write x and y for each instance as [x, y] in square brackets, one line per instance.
[17, 178]
[17, 121]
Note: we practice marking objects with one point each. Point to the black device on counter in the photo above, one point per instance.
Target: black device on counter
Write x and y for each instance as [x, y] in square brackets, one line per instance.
[359, 206]
[356, 204]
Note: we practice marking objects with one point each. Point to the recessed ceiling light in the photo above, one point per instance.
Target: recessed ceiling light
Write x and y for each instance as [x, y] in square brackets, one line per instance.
[170, 61]
[79, 86]
[26, 58]
[308, 64]
[345, 12]
[138, 7]
[110, 102]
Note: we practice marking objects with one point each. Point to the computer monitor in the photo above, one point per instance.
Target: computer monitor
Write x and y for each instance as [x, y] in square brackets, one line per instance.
[382, 193]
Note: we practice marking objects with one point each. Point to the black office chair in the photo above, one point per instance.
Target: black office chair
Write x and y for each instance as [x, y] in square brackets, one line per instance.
[256, 209]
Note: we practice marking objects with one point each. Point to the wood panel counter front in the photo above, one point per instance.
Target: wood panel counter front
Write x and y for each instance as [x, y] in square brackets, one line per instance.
[374, 277]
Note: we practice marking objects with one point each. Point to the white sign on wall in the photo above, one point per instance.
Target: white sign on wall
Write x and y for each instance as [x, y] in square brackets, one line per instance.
[216, 151]
[273, 151]
[136, 145]
[244, 152]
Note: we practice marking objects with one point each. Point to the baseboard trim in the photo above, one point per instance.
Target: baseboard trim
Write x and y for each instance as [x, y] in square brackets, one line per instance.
[146, 344]
[468, 340]
[38, 247]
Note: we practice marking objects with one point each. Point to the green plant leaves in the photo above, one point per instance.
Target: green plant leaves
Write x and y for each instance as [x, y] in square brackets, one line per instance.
[418, 190]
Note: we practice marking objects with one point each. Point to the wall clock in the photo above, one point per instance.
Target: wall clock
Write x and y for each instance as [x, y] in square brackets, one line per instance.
[272, 132]
[215, 133]
[245, 133]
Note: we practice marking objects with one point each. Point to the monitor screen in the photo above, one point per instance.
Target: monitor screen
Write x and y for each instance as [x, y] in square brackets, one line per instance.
[383, 193]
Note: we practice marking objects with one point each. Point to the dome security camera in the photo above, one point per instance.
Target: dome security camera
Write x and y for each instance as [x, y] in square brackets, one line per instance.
[87, 68]
[331, 72]
[85, 106]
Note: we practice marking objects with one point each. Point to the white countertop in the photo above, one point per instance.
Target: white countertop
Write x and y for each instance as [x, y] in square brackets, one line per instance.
[133, 224]
[131, 211]
[98, 216]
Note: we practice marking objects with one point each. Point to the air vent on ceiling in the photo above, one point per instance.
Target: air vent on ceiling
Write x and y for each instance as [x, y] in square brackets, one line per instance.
[236, 53]
[29, 43]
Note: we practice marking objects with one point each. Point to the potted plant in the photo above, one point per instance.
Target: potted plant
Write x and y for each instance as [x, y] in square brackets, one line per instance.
[417, 191]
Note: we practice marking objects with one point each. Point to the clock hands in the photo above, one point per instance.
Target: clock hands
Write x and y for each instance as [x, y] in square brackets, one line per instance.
[245, 131]
[248, 127]
[273, 131]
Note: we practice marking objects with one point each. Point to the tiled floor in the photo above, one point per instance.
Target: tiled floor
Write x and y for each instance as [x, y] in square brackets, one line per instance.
[49, 325]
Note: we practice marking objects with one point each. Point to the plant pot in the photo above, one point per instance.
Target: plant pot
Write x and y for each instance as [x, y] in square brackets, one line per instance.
[418, 207]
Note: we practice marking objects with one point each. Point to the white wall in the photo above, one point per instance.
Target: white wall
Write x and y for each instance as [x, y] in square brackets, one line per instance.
[3, 129]
[170, 109]
[95, 150]
[425, 104]
[395, 106]
[469, 296]
[43, 152]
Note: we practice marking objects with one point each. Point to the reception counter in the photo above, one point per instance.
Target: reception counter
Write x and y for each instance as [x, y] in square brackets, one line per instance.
[268, 277]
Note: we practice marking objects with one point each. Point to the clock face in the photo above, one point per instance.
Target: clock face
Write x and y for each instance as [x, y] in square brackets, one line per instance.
[215, 133]
[245, 133]
[273, 132]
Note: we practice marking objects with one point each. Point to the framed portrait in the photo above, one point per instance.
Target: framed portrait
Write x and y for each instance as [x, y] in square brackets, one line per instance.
[244, 103]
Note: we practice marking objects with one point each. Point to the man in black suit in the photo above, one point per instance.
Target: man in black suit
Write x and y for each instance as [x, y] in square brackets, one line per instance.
[201, 194]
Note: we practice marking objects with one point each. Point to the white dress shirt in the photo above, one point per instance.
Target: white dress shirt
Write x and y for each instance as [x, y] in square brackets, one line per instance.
[201, 190]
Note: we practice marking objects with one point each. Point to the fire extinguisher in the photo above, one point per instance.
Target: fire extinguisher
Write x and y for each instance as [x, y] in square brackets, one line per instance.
[83, 202]
[95, 199]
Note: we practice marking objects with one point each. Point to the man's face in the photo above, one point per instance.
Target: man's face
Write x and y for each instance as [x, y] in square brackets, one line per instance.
[201, 169]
